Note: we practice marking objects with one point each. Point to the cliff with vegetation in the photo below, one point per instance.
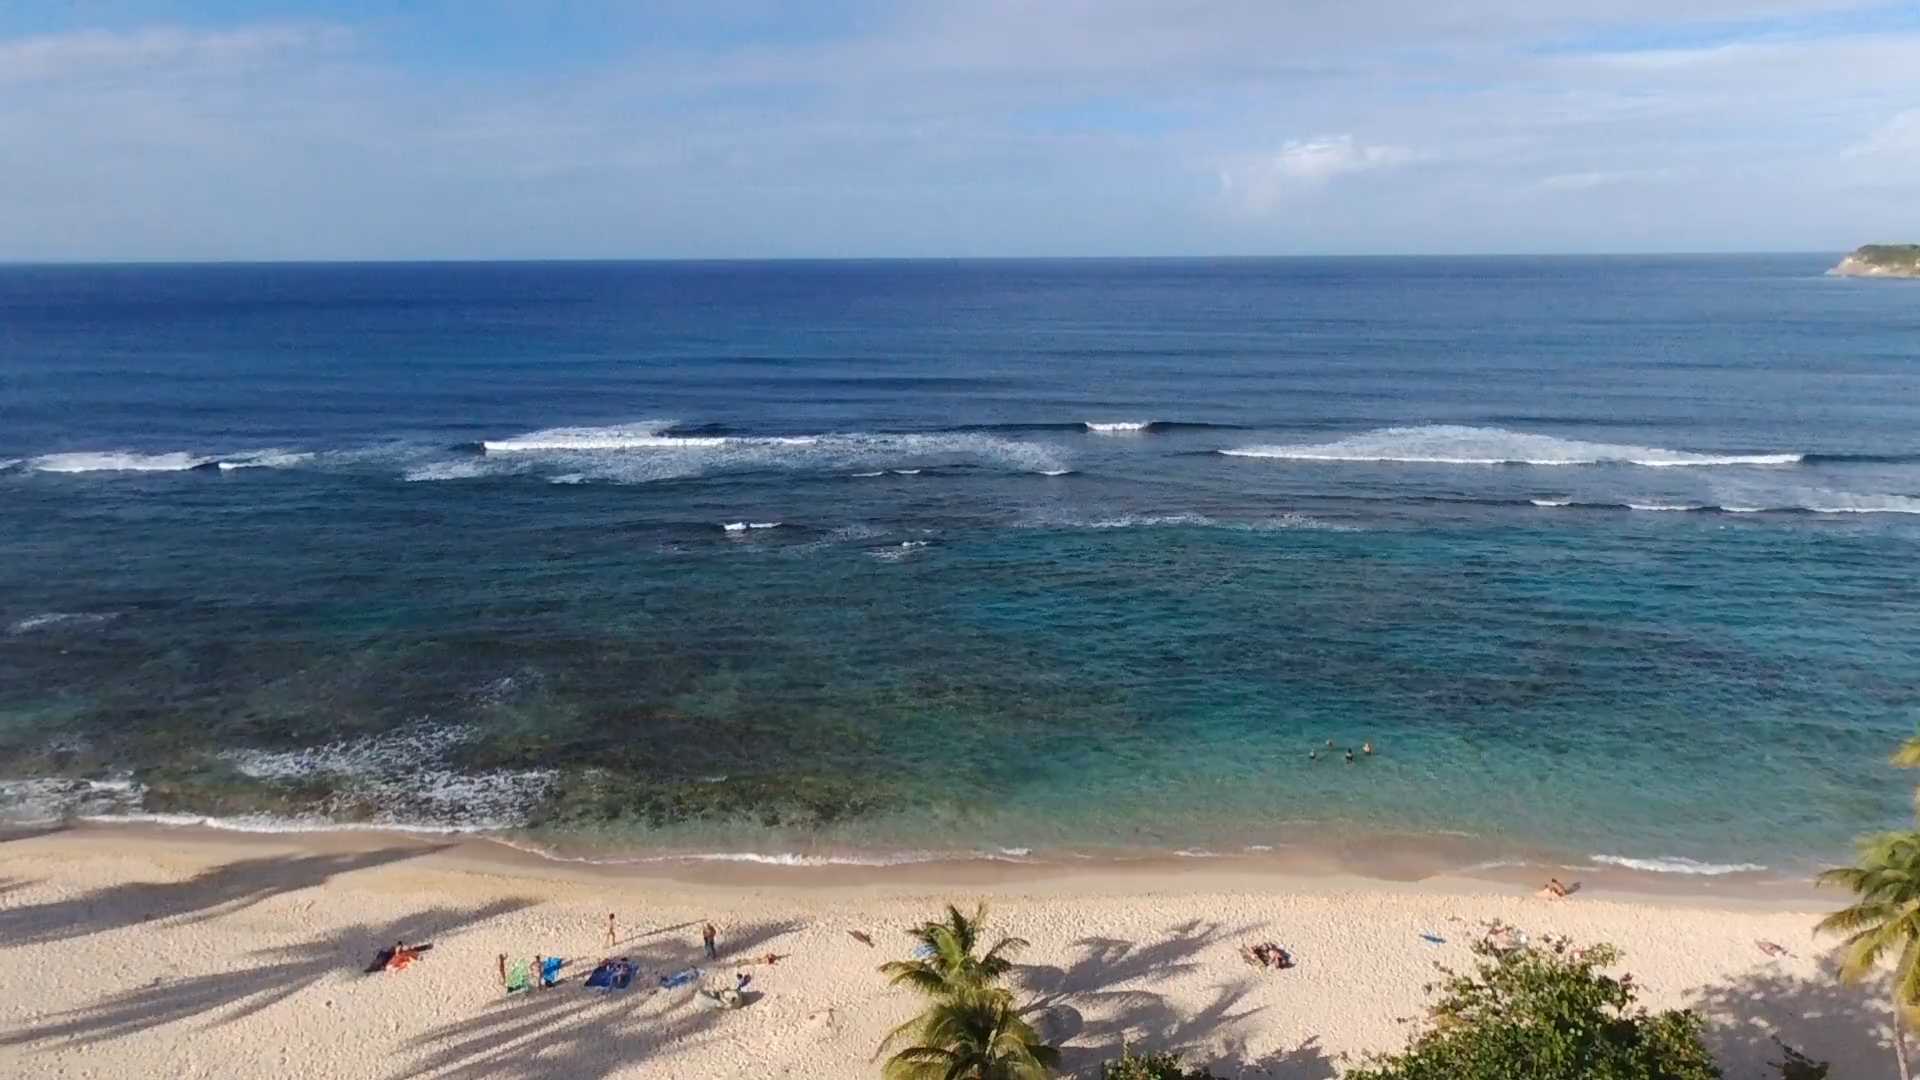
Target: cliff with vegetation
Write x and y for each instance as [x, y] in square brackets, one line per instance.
[1881, 260]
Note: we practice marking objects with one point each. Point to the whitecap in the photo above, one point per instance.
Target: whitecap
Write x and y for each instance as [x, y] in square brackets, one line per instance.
[49, 619]
[445, 470]
[264, 459]
[1447, 444]
[1056, 472]
[639, 453]
[1551, 502]
[1667, 507]
[743, 526]
[115, 462]
[1678, 865]
[1118, 427]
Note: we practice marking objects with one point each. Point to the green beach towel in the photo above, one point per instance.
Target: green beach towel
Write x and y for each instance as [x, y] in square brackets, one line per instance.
[519, 977]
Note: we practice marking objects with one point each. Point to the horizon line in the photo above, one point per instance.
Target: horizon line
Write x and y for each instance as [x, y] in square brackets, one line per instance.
[819, 259]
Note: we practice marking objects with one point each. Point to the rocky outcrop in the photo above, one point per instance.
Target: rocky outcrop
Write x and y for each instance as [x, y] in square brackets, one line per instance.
[1881, 260]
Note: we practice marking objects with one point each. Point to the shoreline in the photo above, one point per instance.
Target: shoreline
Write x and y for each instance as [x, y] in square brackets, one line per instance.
[1387, 861]
[189, 952]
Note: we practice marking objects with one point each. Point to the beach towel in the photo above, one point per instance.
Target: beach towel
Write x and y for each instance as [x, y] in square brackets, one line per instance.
[550, 970]
[601, 978]
[387, 960]
[679, 978]
[623, 975]
[519, 977]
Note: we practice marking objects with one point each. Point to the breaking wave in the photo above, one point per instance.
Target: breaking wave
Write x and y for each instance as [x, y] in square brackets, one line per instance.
[116, 462]
[49, 619]
[653, 451]
[1677, 865]
[1827, 502]
[1447, 444]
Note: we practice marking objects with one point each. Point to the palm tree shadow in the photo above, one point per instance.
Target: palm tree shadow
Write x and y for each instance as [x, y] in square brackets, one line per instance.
[226, 996]
[221, 890]
[1089, 1008]
[1304, 1062]
[1849, 1026]
[564, 1032]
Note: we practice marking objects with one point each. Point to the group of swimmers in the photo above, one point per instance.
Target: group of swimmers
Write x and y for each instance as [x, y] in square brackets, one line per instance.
[1366, 750]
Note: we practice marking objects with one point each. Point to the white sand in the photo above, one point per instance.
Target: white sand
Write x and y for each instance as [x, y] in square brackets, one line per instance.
[175, 955]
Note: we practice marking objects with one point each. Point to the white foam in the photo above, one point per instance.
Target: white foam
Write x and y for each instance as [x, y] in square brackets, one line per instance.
[265, 459]
[1447, 444]
[1282, 522]
[43, 800]
[48, 619]
[446, 470]
[1551, 502]
[1118, 427]
[779, 858]
[404, 776]
[122, 462]
[895, 554]
[1677, 865]
[876, 472]
[1668, 507]
[1056, 472]
[743, 526]
[639, 453]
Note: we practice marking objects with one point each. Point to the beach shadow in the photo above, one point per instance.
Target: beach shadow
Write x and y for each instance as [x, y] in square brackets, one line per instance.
[1304, 1062]
[226, 996]
[1087, 1007]
[219, 891]
[566, 1031]
[1828, 1020]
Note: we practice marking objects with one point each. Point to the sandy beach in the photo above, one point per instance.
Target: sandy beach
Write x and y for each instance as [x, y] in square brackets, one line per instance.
[181, 953]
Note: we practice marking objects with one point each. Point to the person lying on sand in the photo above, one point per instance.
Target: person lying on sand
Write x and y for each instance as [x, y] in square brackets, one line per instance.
[1553, 890]
[1266, 955]
[398, 958]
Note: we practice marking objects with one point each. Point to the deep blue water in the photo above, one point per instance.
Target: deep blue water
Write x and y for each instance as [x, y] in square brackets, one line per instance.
[1604, 556]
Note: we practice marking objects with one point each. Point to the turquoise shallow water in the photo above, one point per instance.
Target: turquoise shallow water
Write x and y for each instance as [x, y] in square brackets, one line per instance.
[1605, 557]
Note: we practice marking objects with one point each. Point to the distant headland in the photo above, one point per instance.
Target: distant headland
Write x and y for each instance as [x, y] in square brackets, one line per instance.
[1881, 260]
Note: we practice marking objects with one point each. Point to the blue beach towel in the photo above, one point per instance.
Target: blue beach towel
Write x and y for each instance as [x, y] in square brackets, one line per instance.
[679, 978]
[550, 970]
[611, 975]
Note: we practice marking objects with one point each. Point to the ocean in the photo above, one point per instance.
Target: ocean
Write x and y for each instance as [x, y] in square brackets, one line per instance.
[1606, 558]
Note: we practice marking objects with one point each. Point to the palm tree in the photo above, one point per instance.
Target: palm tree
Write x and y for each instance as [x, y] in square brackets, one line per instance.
[1884, 922]
[974, 1035]
[945, 964]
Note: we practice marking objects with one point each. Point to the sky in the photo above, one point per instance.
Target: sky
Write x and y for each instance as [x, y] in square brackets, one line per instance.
[479, 129]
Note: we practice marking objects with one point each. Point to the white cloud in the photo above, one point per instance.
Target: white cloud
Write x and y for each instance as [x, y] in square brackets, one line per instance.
[1002, 126]
[1605, 178]
[1302, 167]
[95, 52]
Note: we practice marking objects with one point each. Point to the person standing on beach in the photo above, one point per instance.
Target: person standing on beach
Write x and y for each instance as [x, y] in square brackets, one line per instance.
[707, 936]
[613, 936]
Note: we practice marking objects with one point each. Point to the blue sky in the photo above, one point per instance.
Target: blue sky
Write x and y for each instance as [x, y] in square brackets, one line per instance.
[277, 129]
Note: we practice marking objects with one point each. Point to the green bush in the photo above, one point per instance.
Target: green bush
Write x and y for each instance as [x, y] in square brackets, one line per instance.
[1546, 1012]
[1164, 1065]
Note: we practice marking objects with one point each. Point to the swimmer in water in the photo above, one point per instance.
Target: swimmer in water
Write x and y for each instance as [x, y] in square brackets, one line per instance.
[1349, 755]
[1367, 749]
[1313, 755]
